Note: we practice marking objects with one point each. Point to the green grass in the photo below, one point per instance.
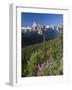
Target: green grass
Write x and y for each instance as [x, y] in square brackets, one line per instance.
[36, 54]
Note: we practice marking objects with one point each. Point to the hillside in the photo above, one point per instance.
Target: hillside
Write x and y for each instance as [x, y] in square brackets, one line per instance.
[34, 57]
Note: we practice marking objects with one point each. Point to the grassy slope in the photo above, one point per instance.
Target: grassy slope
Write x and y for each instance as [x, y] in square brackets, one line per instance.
[52, 48]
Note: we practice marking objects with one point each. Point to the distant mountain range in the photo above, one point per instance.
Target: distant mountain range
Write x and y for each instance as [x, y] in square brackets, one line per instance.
[40, 28]
[38, 33]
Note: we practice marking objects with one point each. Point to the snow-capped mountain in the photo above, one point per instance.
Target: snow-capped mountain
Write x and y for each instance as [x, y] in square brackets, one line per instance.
[25, 29]
[33, 27]
[47, 26]
[36, 27]
[52, 26]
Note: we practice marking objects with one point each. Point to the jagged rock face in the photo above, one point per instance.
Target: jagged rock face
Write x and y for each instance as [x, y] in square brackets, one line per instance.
[52, 27]
[33, 28]
[40, 28]
[37, 27]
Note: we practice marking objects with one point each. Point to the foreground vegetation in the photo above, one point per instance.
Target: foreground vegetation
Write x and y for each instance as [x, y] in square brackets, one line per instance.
[34, 55]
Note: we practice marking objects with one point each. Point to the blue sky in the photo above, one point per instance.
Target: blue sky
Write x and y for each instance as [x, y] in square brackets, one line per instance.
[27, 19]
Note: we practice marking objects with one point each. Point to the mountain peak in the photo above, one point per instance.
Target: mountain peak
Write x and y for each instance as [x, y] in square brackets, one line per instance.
[34, 24]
